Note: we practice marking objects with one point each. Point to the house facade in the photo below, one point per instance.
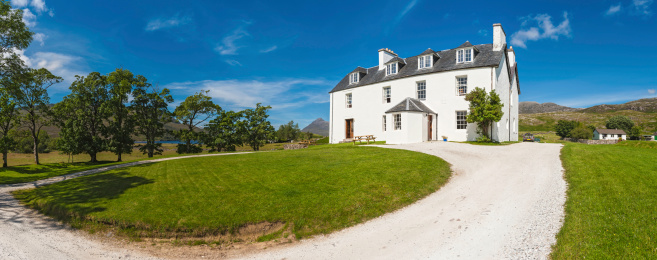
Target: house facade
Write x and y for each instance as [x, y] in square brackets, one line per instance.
[422, 98]
[609, 134]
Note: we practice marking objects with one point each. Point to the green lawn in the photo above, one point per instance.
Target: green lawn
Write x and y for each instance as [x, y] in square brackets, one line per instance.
[611, 210]
[27, 173]
[314, 190]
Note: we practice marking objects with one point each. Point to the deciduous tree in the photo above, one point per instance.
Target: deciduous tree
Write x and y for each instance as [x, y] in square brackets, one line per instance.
[255, 129]
[150, 108]
[8, 120]
[120, 125]
[222, 133]
[565, 127]
[192, 112]
[287, 132]
[620, 122]
[485, 109]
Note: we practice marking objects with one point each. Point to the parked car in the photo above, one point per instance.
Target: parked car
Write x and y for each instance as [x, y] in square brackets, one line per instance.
[528, 137]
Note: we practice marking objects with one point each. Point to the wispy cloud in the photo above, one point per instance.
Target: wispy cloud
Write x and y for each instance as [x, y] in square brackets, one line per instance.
[233, 63]
[270, 49]
[610, 98]
[164, 23]
[29, 18]
[401, 15]
[39, 37]
[614, 9]
[240, 94]
[641, 7]
[228, 45]
[63, 65]
[483, 32]
[543, 29]
[38, 5]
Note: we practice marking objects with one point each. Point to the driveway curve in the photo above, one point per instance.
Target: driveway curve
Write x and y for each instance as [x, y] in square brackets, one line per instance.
[25, 234]
[502, 202]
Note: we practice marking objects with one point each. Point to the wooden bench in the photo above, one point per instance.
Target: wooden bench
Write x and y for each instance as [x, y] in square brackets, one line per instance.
[362, 138]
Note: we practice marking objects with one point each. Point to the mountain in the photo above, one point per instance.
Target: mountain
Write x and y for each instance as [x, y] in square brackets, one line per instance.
[531, 107]
[641, 105]
[318, 127]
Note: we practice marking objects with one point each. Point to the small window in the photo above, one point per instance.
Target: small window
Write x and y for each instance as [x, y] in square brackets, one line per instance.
[425, 61]
[464, 55]
[461, 122]
[604, 136]
[348, 97]
[384, 123]
[612, 136]
[459, 56]
[354, 77]
[397, 121]
[387, 95]
[462, 86]
[422, 90]
[391, 69]
[468, 55]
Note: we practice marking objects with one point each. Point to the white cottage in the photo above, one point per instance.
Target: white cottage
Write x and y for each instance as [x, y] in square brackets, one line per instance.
[609, 134]
[422, 98]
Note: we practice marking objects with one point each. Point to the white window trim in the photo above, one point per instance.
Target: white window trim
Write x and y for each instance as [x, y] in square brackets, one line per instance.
[349, 100]
[422, 61]
[456, 113]
[397, 121]
[389, 68]
[458, 93]
[461, 53]
[385, 98]
[354, 77]
[417, 90]
[384, 123]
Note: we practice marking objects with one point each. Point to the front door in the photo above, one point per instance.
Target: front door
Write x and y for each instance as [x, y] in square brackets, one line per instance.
[430, 117]
[349, 128]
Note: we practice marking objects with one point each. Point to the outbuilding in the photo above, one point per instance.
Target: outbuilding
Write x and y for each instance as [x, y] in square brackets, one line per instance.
[609, 134]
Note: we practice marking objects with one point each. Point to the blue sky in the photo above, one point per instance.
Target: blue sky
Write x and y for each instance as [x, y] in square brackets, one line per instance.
[290, 54]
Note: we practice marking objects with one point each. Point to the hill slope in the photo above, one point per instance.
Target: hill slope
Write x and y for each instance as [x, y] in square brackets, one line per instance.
[531, 107]
[318, 127]
[641, 105]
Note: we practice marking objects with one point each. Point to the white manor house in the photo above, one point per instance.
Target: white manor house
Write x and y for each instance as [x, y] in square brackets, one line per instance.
[422, 98]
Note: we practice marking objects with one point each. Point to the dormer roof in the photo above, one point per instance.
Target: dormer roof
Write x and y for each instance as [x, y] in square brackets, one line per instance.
[396, 59]
[410, 105]
[360, 70]
[467, 44]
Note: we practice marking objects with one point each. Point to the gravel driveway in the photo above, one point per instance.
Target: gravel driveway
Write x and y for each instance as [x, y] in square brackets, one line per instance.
[503, 202]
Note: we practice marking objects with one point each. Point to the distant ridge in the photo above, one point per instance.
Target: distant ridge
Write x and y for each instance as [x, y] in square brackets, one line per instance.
[641, 105]
[531, 107]
[318, 127]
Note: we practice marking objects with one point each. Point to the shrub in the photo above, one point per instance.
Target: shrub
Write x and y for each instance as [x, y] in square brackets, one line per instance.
[483, 139]
[581, 133]
[565, 127]
[25, 144]
[635, 133]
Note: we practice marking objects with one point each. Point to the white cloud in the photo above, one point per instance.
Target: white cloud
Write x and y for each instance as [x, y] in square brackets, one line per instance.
[62, 65]
[483, 32]
[228, 46]
[651, 91]
[38, 5]
[19, 3]
[162, 23]
[642, 7]
[29, 18]
[233, 63]
[239, 94]
[270, 49]
[544, 29]
[613, 9]
[39, 37]
[401, 15]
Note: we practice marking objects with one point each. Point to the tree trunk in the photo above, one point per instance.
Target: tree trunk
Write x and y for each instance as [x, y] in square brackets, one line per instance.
[36, 148]
[150, 152]
[4, 160]
[93, 157]
[118, 160]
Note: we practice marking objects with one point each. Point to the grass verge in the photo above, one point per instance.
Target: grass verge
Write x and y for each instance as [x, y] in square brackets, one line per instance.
[315, 190]
[611, 205]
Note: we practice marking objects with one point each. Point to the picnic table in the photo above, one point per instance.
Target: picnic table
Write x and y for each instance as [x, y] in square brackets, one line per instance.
[362, 138]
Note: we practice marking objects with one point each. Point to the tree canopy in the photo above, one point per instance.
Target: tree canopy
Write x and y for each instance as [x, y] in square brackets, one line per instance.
[485, 109]
[150, 109]
[620, 122]
[192, 112]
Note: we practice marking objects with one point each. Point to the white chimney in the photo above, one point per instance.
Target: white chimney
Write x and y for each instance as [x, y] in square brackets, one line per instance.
[385, 55]
[499, 37]
[512, 57]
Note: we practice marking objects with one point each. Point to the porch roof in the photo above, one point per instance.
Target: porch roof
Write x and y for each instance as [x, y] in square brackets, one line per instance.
[410, 105]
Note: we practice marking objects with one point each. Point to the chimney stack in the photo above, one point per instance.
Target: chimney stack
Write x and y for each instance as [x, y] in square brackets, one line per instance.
[499, 37]
[385, 55]
[512, 56]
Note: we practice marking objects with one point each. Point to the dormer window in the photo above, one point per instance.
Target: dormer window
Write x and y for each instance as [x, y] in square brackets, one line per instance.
[425, 61]
[391, 69]
[464, 55]
[354, 77]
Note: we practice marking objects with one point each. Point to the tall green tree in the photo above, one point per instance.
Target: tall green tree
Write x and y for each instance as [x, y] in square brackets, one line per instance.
[255, 129]
[9, 119]
[33, 99]
[88, 113]
[634, 133]
[485, 109]
[150, 109]
[69, 131]
[192, 112]
[564, 128]
[620, 122]
[287, 132]
[120, 125]
[222, 133]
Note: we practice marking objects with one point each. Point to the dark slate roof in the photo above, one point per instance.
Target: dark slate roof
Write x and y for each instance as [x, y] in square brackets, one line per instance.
[396, 59]
[410, 104]
[428, 51]
[610, 131]
[359, 69]
[447, 62]
[465, 45]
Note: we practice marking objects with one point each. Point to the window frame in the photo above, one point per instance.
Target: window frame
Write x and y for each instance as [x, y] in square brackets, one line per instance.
[388, 98]
[424, 91]
[463, 54]
[458, 85]
[349, 100]
[384, 123]
[468, 54]
[425, 61]
[389, 68]
[462, 122]
[354, 78]
[397, 121]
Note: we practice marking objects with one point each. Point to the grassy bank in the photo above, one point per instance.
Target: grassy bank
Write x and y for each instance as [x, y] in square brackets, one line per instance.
[610, 211]
[314, 190]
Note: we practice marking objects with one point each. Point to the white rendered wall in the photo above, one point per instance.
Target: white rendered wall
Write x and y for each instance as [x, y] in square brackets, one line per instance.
[368, 106]
[597, 136]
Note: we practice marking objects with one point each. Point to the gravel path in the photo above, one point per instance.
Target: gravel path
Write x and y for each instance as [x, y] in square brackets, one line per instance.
[25, 234]
[503, 202]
